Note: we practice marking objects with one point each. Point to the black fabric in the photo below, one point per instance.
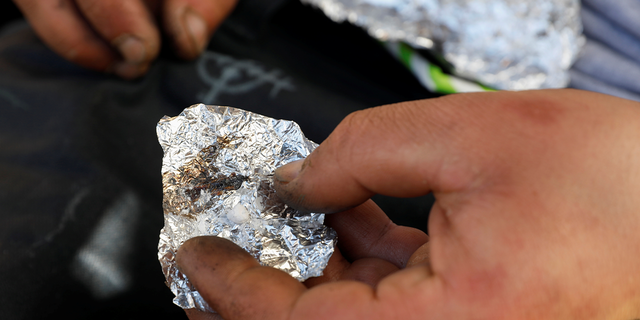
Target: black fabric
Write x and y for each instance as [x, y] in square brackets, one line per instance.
[80, 188]
[9, 12]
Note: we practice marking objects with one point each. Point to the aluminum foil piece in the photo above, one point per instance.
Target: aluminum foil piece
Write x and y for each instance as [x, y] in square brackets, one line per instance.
[217, 180]
[505, 44]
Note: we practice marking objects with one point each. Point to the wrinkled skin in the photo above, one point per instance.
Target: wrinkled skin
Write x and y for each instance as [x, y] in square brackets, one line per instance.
[536, 217]
[123, 36]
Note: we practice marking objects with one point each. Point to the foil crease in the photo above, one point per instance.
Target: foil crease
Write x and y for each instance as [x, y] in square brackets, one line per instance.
[505, 44]
[217, 180]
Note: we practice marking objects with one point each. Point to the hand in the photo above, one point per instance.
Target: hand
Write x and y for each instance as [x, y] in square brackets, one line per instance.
[536, 217]
[123, 36]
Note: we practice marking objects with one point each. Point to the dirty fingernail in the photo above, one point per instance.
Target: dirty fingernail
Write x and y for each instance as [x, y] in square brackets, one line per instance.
[288, 172]
[197, 29]
[131, 48]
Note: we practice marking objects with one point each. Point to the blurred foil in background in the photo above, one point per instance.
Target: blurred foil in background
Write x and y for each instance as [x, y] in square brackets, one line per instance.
[217, 180]
[505, 44]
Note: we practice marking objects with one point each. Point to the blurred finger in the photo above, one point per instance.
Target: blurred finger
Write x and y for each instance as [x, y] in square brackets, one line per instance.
[190, 23]
[65, 31]
[422, 256]
[130, 29]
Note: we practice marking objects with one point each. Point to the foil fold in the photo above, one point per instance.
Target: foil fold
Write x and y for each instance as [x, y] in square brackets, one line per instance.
[217, 180]
[505, 44]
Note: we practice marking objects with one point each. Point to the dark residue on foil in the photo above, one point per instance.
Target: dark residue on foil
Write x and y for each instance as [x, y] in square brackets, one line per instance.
[216, 185]
[201, 174]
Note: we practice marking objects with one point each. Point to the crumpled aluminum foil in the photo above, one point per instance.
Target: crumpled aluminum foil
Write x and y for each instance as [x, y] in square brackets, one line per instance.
[217, 180]
[505, 44]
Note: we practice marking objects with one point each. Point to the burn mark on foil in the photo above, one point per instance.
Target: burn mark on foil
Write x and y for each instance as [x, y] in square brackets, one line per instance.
[198, 175]
[217, 185]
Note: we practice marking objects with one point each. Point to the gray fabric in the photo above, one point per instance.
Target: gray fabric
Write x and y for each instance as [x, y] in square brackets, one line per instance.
[610, 60]
[586, 82]
[623, 13]
[604, 31]
[610, 67]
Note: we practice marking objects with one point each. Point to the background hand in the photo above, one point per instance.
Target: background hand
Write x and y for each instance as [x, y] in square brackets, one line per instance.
[536, 215]
[123, 36]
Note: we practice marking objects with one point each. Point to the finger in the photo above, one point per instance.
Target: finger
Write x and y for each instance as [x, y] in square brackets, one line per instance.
[62, 28]
[369, 270]
[372, 242]
[129, 27]
[365, 270]
[190, 23]
[408, 149]
[366, 232]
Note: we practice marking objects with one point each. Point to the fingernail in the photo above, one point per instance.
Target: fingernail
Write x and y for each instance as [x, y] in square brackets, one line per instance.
[127, 70]
[289, 171]
[197, 29]
[131, 48]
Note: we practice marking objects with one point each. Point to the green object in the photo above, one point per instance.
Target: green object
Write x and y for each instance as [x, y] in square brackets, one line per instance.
[430, 75]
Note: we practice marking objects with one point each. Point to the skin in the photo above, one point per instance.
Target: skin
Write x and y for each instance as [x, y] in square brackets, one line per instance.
[536, 217]
[124, 36]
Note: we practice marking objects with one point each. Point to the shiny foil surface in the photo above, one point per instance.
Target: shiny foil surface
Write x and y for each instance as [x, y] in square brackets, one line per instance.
[217, 180]
[505, 44]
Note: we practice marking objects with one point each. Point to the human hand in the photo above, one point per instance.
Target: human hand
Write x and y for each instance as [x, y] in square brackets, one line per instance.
[536, 216]
[123, 36]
